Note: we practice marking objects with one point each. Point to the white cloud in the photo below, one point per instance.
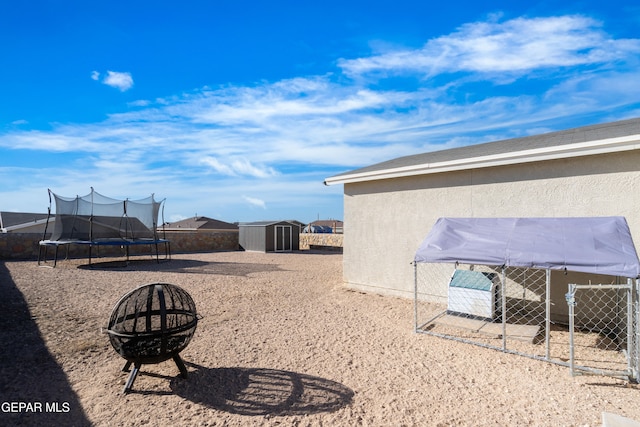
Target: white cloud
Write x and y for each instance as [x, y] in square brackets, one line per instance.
[518, 46]
[245, 167]
[218, 166]
[118, 80]
[140, 103]
[255, 202]
[280, 140]
[95, 75]
[261, 104]
[238, 167]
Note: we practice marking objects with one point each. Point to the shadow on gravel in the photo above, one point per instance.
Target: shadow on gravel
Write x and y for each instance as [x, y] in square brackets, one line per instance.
[261, 391]
[33, 388]
[185, 266]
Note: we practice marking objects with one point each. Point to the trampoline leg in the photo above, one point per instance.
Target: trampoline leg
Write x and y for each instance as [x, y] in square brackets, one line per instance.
[180, 363]
[132, 378]
[43, 252]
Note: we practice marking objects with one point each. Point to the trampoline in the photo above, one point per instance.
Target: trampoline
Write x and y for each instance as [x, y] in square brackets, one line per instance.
[96, 220]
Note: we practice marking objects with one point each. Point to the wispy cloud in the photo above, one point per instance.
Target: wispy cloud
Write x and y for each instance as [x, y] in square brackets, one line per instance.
[237, 167]
[255, 202]
[516, 46]
[209, 149]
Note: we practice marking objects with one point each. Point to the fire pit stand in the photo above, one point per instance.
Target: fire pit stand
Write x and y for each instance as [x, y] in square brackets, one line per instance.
[151, 324]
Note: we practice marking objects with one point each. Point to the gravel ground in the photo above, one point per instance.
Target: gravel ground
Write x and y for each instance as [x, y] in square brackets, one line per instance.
[281, 342]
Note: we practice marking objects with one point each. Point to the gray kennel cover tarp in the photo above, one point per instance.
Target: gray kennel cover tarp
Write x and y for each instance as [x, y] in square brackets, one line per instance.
[599, 245]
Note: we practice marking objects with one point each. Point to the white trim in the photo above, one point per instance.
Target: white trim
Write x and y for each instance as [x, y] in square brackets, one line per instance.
[602, 146]
[25, 225]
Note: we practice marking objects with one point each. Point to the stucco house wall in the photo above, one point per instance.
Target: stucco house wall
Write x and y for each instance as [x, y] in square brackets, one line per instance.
[387, 219]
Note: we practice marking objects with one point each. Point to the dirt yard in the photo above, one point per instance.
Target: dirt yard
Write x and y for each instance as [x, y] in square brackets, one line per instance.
[281, 342]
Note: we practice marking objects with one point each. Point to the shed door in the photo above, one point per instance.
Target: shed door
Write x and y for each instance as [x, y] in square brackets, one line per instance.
[283, 237]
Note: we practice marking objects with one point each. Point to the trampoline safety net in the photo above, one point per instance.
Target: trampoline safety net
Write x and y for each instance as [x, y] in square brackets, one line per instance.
[95, 220]
[94, 217]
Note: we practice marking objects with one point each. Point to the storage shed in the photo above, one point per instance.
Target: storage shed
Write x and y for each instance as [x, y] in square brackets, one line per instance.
[270, 236]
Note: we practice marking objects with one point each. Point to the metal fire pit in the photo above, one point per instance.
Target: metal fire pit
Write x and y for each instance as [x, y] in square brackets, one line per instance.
[151, 324]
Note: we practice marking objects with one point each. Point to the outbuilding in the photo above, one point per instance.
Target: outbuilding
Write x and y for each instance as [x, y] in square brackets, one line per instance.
[391, 206]
[529, 246]
[270, 236]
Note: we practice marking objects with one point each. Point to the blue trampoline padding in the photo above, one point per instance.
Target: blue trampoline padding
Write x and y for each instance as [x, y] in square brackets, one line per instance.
[104, 242]
[469, 279]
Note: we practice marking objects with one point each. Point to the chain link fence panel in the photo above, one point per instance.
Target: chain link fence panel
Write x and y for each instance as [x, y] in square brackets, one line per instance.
[601, 327]
[508, 309]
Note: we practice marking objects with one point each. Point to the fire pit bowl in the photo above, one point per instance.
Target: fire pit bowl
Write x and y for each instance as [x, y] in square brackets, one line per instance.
[151, 324]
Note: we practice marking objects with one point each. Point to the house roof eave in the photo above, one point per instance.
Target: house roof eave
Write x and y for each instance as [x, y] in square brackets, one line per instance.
[602, 146]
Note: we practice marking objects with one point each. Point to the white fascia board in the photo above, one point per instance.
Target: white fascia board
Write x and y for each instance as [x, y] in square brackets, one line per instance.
[25, 225]
[588, 148]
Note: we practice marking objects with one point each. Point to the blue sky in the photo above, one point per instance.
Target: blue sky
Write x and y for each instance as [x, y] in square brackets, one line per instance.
[238, 110]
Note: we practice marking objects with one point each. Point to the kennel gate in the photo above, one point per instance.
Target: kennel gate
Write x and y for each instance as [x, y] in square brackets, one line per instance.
[616, 332]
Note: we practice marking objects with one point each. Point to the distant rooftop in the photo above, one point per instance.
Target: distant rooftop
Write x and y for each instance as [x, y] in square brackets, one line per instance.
[328, 222]
[15, 219]
[200, 223]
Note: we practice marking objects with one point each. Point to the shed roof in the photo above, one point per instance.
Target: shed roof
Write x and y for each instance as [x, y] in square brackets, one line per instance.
[595, 139]
[267, 223]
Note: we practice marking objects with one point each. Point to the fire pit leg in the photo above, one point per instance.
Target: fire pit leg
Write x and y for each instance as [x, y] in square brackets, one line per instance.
[126, 366]
[132, 378]
[180, 363]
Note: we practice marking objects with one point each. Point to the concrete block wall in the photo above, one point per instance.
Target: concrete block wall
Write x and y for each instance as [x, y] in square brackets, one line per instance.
[323, 241]
[26, 245]
[19, 245]
[186, 242]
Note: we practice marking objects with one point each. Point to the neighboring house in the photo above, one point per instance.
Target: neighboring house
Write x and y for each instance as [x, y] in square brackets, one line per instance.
[270, 236]
[201, 234]
[391, 206]
[200, 224]
[23, 222]
[330, 225]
